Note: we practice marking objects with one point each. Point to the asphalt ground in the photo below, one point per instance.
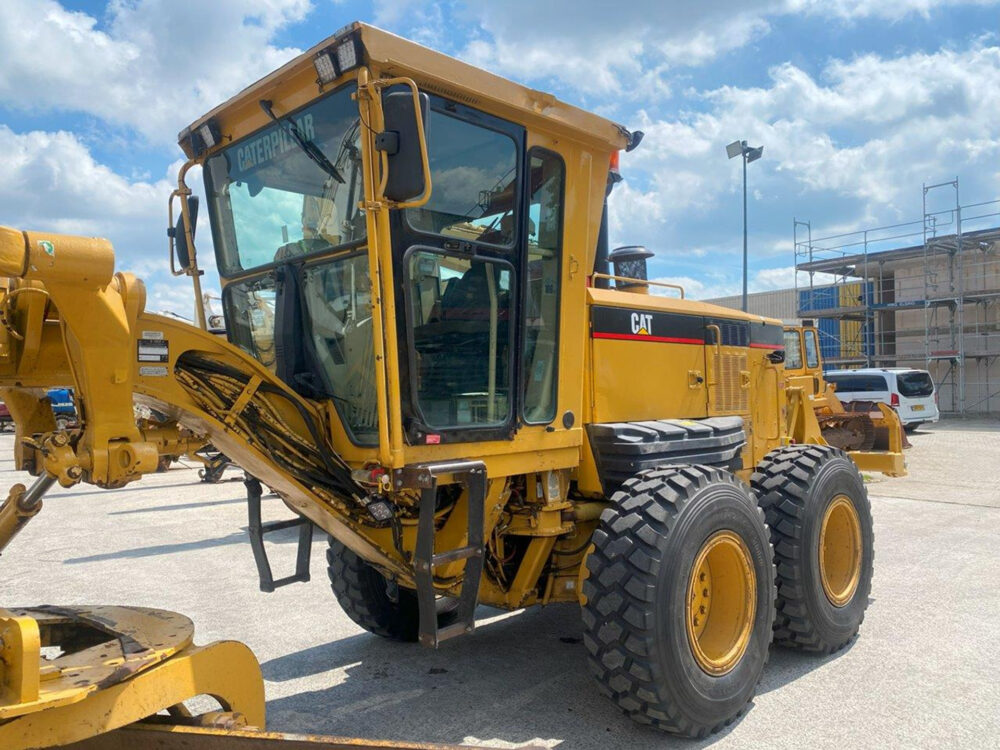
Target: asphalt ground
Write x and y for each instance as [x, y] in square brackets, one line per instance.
[923, 673]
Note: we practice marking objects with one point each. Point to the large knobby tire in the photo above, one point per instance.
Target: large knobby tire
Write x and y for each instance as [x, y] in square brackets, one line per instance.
[821, 526]
[666, 529]
[376, 604]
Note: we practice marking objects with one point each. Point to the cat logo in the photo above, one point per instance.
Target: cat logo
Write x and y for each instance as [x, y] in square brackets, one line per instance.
[642, 324]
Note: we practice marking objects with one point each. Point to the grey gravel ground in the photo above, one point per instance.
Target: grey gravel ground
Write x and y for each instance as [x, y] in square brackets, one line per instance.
[922, 674]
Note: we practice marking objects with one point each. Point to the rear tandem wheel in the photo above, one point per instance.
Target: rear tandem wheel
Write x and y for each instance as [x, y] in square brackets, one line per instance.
[821, 526]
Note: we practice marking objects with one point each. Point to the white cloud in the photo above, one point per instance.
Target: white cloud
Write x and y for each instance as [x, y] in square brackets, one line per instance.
[155, 66]
[869, 129]
[628, 49]
[715, 285]
[52, 182]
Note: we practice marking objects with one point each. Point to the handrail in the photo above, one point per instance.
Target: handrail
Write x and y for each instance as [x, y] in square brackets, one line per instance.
[632, 281]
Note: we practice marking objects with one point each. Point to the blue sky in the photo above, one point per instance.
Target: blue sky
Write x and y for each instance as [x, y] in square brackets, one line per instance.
[857, 103]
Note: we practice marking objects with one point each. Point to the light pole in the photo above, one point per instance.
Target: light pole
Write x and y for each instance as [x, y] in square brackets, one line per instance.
[749, 154]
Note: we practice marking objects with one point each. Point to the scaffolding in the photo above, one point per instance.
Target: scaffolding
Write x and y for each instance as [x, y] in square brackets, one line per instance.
[922, 293]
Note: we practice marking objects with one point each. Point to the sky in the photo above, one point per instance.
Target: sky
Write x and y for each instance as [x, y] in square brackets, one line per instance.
[858, 103]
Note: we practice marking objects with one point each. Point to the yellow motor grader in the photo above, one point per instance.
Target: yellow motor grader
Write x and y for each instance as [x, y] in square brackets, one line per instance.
[859, 427]
[430, 359]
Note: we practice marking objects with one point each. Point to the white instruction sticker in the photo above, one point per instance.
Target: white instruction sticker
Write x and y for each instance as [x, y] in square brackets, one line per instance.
[152, 334]
[153, 372]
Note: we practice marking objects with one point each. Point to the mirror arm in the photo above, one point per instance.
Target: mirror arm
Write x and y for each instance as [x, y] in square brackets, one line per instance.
[374, 89]
[182, 192]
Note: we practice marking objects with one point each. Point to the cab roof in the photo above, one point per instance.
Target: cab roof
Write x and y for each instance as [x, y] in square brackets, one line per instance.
[433, 71]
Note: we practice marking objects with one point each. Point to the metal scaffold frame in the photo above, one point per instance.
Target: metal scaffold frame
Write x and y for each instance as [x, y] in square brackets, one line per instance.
[928, 295]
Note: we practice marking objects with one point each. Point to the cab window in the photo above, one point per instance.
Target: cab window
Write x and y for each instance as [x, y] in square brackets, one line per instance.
[461, 336]
[270, 201]
[474, 174]
[547, 176]
[812, 350]
[793, 351]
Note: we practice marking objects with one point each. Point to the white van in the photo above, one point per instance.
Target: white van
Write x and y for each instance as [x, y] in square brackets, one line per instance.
[910, 392]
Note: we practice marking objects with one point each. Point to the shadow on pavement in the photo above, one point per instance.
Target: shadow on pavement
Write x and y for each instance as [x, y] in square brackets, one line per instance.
[284, 536]
[516, 679]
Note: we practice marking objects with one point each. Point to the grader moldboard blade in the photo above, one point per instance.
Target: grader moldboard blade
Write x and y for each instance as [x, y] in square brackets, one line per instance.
[197, 738]
[117, 678]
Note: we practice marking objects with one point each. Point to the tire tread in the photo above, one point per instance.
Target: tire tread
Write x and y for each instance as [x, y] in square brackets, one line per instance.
[781, 482]
[619, 629]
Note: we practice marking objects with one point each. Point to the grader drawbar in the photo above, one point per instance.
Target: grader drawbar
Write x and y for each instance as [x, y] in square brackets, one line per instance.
[428, 359]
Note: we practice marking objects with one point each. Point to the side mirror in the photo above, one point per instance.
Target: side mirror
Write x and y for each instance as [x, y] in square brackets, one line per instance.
[178, 232]
[402, 145]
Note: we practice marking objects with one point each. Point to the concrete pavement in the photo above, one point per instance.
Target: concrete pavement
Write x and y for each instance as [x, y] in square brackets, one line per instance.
[924, 672]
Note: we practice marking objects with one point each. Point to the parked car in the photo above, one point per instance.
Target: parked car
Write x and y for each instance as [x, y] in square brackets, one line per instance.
[910, 392]
[6, 420]
[63, 407]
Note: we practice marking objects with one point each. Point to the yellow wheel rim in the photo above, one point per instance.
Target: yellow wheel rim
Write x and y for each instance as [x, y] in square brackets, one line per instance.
[721, 603]
[840, 551]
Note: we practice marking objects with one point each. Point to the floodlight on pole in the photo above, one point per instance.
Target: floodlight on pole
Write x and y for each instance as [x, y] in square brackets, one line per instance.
[749, 154]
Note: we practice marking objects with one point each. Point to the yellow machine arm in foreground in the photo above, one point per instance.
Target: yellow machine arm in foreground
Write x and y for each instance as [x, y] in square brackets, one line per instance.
[121, 665]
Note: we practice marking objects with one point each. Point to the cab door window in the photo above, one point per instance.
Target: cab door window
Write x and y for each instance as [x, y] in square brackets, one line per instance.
[474, 174]
[461, 339]
[546, 177]
[812, 350]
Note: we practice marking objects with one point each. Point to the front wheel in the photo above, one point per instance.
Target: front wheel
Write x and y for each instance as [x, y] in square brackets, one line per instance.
[376, 604]
[679, 599]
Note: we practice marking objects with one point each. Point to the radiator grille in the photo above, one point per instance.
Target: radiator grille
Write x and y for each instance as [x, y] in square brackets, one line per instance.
[730, 396]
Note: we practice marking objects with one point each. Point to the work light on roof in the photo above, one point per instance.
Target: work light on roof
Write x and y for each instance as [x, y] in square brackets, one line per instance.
[196, 141]
[207, 134]
[326, 70]
[347, 54]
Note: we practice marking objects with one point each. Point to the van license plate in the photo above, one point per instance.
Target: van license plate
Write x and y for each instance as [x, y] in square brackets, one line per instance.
[918, 407]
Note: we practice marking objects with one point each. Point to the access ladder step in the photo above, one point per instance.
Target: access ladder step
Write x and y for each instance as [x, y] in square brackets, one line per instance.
[259, 529]
[473, 475]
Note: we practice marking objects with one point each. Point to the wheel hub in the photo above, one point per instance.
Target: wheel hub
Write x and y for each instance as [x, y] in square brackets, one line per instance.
[840, 551]
[721, 603]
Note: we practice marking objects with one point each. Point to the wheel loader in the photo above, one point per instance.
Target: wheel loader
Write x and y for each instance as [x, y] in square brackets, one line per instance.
[434, 356]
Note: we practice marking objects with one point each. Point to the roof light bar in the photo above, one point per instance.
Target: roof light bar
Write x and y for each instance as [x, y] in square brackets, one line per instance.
[341, 56]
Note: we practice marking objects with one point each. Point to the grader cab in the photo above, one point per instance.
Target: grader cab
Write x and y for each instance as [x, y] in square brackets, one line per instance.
[429, 359]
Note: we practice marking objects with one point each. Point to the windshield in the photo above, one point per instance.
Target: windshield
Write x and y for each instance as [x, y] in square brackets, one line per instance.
[289, 189]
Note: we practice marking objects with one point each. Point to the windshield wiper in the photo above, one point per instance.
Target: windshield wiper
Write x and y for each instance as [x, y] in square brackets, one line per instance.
[309, 148]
